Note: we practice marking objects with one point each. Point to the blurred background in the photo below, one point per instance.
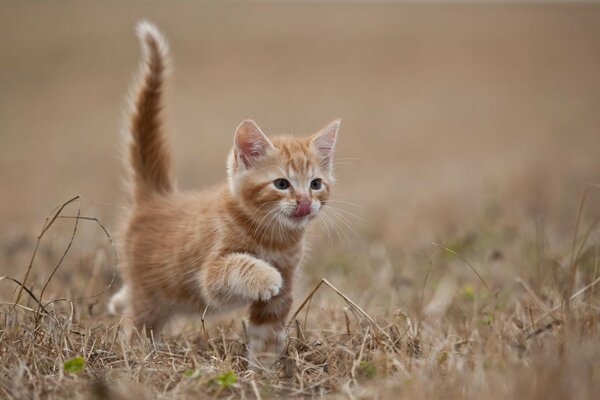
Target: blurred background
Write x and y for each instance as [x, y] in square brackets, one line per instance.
[474, 125]
[454, 116]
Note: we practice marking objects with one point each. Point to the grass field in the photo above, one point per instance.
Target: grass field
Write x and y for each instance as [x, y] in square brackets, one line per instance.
[466, 264]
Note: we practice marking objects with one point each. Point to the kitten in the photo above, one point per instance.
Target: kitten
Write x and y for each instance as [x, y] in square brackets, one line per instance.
[234, 245]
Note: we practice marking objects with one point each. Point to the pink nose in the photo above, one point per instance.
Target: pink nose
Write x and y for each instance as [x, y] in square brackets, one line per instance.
[302, 209]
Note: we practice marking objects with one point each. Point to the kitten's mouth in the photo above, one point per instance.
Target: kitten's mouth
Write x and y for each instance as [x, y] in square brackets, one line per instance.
[294, 218]
[301, 213]
[300, 218]
[303, 209]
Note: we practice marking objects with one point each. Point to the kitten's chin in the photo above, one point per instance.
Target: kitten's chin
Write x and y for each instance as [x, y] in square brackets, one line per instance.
[296, 222]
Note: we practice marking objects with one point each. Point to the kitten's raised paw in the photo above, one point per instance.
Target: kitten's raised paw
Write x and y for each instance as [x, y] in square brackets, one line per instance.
[269, 292]
[265, 282]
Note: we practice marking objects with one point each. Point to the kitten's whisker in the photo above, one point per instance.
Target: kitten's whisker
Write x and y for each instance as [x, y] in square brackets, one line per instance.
[352, 159]
[343, 236]
[244, 209]
[344, 163]
[342, 219]
[344, 213]
[264, 217]
[280, 231]
[338, 213]
[333, 214]
[268, 224]
[347, 239]
[279, 225]
[261, 226]
[336, 227]
[345, 202]
[341, 210]
[323, 223]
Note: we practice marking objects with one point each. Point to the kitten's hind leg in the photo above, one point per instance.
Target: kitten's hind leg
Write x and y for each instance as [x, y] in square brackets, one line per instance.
[119, 301]
[150, 313]
[238, 279]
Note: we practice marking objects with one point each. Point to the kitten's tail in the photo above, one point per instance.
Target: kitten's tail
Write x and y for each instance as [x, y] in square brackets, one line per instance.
[149, 155]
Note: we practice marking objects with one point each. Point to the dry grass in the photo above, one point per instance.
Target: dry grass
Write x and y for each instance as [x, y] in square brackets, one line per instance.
[464, 333]
[469, 136]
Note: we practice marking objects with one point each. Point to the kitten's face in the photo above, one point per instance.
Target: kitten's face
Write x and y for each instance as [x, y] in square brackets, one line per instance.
[286, 180]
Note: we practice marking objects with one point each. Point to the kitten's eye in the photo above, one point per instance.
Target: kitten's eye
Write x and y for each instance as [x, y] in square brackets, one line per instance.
[316, 184]
[281, 183]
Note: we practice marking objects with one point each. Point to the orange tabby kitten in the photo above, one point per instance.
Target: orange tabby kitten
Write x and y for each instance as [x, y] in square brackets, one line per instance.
[226, 247]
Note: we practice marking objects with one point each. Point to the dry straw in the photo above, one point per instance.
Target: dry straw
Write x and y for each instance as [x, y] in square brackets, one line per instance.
[480, 346]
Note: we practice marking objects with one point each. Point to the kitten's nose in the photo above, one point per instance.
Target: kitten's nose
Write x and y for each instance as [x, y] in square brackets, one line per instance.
[302, 209]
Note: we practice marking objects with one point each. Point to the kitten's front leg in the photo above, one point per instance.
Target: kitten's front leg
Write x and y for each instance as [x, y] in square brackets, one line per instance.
[266, 330]
[238, 279]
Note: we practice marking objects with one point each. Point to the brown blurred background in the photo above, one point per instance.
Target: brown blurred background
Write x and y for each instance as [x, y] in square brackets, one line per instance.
[448, 110]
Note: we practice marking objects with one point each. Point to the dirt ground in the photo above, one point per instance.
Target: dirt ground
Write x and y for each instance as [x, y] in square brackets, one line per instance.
[473, 126]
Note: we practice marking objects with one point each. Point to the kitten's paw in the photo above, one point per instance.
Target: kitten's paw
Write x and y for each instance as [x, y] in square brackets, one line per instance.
[245, 279]
[267, 343]
[265, 282]
[119, 301]
[269, 292]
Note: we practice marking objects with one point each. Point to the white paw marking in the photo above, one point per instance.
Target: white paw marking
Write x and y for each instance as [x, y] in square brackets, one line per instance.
[262, 281]
[266, 338]
[119, 301]
[267, 282]
[269, 292]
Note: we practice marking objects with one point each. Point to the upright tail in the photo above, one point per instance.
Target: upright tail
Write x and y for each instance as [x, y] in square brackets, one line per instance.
[149, 155]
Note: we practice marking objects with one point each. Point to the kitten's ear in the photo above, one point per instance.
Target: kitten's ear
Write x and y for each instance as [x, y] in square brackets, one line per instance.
[323, 142]
[250, 143]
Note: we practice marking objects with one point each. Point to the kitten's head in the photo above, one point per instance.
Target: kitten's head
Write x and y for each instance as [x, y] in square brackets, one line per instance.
[286, 179]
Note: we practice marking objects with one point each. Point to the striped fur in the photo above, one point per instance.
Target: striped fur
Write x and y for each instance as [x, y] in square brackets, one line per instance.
[149, 157]
[234, 245]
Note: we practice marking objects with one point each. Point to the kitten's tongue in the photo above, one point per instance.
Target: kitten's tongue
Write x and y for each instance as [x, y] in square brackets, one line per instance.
[302, 209]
